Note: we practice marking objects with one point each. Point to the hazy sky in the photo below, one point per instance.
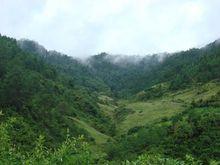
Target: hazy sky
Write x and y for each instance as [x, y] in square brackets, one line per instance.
[85, 27]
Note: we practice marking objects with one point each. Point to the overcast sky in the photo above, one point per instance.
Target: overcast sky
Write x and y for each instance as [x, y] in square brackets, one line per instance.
[85, 27]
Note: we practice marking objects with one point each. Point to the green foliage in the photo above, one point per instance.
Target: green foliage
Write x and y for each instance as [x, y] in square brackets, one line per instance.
[71, 151]
[121, 112]
[38, 92]
[153, 92]
[158, 159]
[142, 113]
[179, 70]
[50, 94]
[213, 101]
[74, 72]
[192, 132]
[198, 130]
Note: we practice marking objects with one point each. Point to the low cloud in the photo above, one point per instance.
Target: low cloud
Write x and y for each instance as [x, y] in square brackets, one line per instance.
[85, 27]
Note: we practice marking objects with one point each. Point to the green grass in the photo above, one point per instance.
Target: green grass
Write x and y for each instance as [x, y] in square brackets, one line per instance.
[170, 104]
[144, 112]
[108, 110]
[196, 93]
[99, 137]
[148, 112]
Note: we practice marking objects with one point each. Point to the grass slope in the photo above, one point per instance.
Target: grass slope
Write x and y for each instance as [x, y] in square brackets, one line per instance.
[145, 112]
[148, 112]
[107, 105]
[198, 92]
[99, 137]
[108, 110]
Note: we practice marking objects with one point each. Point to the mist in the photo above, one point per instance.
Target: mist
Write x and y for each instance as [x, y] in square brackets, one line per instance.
[84, 28]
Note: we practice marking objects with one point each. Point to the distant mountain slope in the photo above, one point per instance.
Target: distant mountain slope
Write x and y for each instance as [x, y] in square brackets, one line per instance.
[78, 73]
[179, 70]
[125, 76]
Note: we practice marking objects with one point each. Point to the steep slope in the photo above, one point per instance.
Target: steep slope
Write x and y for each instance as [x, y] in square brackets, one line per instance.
[40, 98]
[78, 73]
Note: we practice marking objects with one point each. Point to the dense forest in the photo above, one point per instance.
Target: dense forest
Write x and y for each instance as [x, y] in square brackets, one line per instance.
[108, 109]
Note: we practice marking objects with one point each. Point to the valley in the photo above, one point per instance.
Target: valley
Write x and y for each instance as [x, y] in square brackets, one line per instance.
[133, 114]
[55, 109]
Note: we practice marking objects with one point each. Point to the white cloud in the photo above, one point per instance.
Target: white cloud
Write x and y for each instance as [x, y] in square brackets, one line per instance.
[85, 27]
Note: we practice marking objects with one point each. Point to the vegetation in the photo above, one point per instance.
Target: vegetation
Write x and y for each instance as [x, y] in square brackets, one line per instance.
[108, 110]
[142, 113]
[72, 150]
[42, 98]
[192, 132]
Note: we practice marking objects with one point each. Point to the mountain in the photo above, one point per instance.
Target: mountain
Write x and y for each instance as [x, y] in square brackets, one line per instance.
[179, 69]
[125, 76]
[153, 109]
[79, 74]
[43, 96]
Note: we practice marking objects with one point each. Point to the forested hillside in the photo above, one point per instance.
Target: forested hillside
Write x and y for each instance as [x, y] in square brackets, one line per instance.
[179, 69]
[42, 99]
[108, 109]
[125, 76]
[78, 74]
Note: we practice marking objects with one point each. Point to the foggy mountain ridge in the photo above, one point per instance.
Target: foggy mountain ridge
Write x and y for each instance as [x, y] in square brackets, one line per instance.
[117, 59]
